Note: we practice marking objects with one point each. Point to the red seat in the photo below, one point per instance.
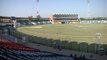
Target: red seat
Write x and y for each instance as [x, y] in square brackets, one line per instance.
[12, 45]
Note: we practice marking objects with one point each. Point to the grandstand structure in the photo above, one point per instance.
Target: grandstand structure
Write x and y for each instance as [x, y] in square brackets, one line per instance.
[10, 50]
[54, 19]
[7, 24]
[24, 20]
[64, 18]
[93, 21]
[97, 20]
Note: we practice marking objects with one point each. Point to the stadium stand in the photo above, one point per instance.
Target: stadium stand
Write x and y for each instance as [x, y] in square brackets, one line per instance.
[65, 18]
[22, 21]
[10, 50]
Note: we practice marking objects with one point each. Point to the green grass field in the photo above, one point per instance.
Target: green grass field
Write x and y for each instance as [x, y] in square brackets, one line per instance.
[69, 32]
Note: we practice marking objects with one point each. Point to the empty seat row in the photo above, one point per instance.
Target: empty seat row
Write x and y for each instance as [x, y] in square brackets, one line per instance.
[12, 51]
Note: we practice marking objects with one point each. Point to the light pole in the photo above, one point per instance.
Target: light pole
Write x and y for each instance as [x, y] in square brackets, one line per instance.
[88, 8]
[37, 8]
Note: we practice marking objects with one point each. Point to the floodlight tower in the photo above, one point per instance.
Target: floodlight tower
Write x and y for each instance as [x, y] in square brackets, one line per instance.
[37, 8]
[88, 8]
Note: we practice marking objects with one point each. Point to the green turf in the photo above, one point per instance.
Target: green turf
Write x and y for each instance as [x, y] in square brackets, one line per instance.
[69, 32]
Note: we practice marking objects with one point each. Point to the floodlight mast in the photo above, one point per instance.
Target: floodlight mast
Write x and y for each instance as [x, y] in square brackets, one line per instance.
[37, 8]
[88, 8]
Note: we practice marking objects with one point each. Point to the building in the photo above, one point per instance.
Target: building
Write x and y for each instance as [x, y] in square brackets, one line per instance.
[64, 18]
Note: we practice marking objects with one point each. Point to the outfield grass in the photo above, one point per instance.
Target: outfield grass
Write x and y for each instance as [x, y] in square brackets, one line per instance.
[69, 32]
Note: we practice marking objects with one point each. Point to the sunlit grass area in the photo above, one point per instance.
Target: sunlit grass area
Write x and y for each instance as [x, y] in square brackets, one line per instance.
[69, 32]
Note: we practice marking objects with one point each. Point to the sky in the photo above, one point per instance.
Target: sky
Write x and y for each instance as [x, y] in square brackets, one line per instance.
[25, 8]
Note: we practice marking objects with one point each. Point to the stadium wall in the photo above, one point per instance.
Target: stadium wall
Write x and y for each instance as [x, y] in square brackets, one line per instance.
[93, 21]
